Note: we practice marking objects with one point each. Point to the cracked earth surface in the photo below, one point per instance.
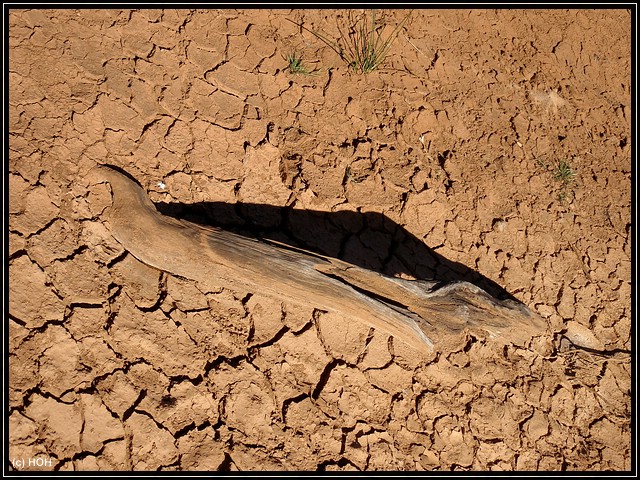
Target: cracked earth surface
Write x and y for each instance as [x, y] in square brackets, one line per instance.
[447, 151]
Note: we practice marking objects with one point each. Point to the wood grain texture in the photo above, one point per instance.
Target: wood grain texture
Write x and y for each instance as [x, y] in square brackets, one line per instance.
[411, 311]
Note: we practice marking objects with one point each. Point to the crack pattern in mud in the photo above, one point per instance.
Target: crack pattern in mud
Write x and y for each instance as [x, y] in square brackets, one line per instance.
[438, 165]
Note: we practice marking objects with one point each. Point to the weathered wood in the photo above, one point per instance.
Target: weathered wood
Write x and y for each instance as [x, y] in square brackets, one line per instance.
[412, 311]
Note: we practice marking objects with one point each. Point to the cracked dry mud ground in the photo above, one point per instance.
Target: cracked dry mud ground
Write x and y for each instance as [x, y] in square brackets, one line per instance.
[115, 366]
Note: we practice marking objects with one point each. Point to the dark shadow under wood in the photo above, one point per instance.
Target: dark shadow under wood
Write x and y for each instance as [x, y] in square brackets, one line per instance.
[369, 240]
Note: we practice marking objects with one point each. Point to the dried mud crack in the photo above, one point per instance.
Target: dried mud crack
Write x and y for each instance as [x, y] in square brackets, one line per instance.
[441, 166]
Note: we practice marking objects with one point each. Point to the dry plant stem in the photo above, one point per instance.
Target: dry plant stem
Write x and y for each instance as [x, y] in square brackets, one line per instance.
[411, 311]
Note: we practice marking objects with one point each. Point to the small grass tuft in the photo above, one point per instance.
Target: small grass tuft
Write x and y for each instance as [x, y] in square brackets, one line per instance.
[296, 65]
[566, 175]
[363, 47]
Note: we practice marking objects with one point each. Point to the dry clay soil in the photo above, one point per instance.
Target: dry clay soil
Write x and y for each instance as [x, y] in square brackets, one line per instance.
[450, 151]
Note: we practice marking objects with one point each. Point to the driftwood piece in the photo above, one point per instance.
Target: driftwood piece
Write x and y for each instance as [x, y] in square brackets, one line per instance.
[416, 312]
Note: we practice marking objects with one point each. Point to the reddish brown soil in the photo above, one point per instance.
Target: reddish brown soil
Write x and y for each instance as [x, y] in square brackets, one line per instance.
[450, 147]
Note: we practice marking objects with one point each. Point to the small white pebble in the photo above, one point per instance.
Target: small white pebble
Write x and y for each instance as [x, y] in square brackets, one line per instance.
[500, 226]
[582, 336]
[161, 185]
